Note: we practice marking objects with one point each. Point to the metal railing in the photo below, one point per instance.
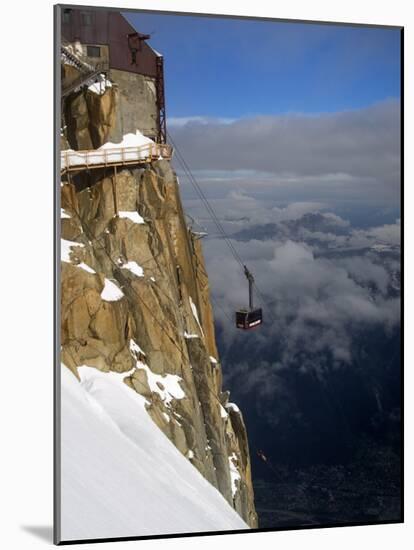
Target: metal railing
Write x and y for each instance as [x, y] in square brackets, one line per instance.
[85, 79]
[71, 160]
[88, 72]
[76, 58]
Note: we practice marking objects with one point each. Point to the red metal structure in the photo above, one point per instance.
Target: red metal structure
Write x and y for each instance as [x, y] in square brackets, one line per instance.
[128, 49]
[159, 86]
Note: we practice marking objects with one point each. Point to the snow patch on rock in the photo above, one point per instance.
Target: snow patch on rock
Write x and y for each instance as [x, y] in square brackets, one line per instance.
[86, 267]
[223, 412]
[195, 313]
[134, 268]
[135, 348]
[111, 292]
[233, 407]
[167, 386]
[189, 336]
[100, 86]
[65, 249]
[234, 474]
[131, 215]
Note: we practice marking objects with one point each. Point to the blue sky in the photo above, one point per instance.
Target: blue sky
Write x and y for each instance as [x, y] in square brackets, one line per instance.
[236, 68]
[290, 112]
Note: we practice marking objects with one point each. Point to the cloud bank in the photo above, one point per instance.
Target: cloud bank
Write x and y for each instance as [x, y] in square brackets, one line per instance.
[278, 185]
[320, 289]
[342, 155]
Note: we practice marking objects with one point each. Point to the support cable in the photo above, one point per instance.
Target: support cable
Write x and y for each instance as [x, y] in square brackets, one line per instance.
[214, 218]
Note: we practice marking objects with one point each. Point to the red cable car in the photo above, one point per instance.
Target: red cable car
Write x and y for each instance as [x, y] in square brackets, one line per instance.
[249, 318]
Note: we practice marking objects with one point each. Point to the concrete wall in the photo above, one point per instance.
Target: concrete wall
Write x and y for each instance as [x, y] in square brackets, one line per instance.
[137, 108]
[81, 50]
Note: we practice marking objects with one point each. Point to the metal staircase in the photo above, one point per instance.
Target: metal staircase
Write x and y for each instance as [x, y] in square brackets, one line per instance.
[88, 72]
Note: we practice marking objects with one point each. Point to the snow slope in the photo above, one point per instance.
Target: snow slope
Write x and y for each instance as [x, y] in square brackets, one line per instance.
[121, 476]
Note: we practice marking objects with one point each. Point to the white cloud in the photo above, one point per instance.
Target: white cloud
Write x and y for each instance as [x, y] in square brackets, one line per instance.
[347, 155]
[317, 303]
[202, 120]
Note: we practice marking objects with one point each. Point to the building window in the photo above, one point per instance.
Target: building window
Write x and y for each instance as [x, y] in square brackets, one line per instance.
[93, 51]
[66, 16]
[86, 18]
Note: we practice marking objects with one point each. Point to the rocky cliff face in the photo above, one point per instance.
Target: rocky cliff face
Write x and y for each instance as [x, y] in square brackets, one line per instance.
[135, 300]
